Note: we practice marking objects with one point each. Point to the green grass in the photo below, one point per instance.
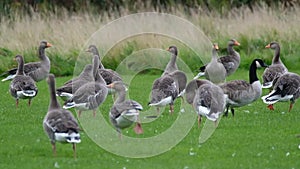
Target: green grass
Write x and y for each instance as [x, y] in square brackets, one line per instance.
[254, 138]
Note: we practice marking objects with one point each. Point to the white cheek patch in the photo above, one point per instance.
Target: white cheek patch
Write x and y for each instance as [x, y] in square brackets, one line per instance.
[257, 64]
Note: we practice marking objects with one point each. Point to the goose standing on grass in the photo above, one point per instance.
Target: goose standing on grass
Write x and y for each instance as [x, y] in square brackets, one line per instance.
[22, 86]
[286, 88]
[36, 70]
[70, 87]
[90, 95]
[240, 92]
[276, 69]
[59, 124]
[230, 62]
[164, 91]
[124, 112]
[108, 75]
[215, 71]
[207, 99]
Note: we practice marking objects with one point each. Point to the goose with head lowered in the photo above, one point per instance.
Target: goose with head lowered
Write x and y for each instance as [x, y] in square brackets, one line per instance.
[276, 69]
[22, 86]
[286, 88]
[59, 124]
[90, 95]
[124, 112]
[207, 99]
[215, 70]
[36, 70]
[230, 62]
[240, 92]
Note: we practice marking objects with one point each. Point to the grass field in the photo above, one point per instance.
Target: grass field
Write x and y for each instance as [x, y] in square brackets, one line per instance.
[254, 138]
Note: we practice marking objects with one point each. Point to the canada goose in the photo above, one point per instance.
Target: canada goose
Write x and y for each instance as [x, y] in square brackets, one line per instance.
[164, 91]
[90, 95]
[70, 87]
[207, 99]
[124, 112]
[22, 86]
[215, 71]
[240, 92]
[286, 88]
[231, 61]
[36, 70]
[276, 69]
[59, 124]
[171, 66]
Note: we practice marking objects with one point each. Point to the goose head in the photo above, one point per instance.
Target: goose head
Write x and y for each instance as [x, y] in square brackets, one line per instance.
[215, 46]
[260, 63]
[272, 45]
[173, 50]
[118, 86]
[93, 49]
[233, 42]
[44, 44]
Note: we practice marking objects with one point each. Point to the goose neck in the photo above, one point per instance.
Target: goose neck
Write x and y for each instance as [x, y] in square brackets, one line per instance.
[252, 72]
[121, 96]
[41, 53]
[276, 58]
[53, 100]
[20, 70]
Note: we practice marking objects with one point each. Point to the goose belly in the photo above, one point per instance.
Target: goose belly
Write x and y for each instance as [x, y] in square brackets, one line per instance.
[67, 138]
[162, 102]
[25, 94]
[127, 119]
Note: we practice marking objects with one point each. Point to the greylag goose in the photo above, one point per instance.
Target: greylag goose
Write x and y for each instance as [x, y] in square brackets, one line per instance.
[164, 91]
[171, 66]
[231, 61]
[108, 75]
[207, 99]
[240, 92]
[124, 112]
[286, 88]
[70, 87]
[59, 124]
[215, 71]
[276, 69]
[22, 86]
[37, 70]
[90, 95]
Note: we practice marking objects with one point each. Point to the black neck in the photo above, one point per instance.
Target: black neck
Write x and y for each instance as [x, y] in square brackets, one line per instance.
[252, 73]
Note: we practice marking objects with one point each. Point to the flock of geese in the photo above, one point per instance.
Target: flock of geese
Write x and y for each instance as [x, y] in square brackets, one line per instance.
[208, 97]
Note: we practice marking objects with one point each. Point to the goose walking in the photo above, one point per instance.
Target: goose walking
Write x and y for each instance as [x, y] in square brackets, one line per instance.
[276, 69]
[124, 112]
[240, 92]
[230, 62]
[90, 95]
[207, 99]
[286, 88]
[22, 86]
[36, 70]
[59, 124]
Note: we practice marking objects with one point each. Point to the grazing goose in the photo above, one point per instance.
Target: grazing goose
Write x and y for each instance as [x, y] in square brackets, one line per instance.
[164, 91]
[90, 95]
[36, 70]
[59, 124]
[231, 61]
[22, 86]
[124, 112]
[276, 69]
[240, 92]
[215, 71]
[108, 75]
[286, 88]
[171, 66]
[70, 87]
[207, 99]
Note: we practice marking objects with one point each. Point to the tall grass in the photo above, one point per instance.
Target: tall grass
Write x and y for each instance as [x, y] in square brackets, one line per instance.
[69, 33]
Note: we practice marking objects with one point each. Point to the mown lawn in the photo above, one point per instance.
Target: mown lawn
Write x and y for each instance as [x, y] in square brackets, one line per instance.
[254, 138]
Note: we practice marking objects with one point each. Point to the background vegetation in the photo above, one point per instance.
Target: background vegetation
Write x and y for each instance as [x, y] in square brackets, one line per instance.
[68, 24]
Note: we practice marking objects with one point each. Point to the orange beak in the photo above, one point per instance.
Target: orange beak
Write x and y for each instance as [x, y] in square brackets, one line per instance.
[237, 43]
[216, 46]
[110, 85]
[168, 49]
[88, 50]
[49, 44]
[268, 46]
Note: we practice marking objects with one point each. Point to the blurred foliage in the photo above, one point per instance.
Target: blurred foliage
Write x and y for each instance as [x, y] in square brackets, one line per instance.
[115, 7]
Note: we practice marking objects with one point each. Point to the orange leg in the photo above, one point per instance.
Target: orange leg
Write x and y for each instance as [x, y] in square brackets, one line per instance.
[94, 113]
[74, 150]
[271, 107]
[17, 103]
[199, 120]
[291, 106]
[79, 113]
[171, 109]
[54, 149]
